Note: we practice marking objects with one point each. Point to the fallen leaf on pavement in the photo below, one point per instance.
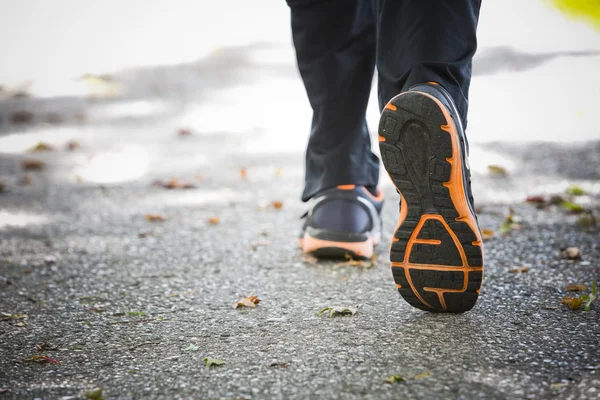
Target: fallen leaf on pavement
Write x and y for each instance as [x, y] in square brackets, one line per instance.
[557, 385]
[277, 205]
[10, 317]
[573, 302]
[94, 394]
[487, 234]
[518, 270]
[192, 347]
[395, 378]
[510, 223]
[155, 217]
[572, 253]
[243, 173]
[572, 207]
[33, 165]
[337, 311]
[576, 287]
[184, 132]
[174, 184]
[540, 200]
[214, 220]
[497, 170]
[421, 376]
[72, 145]
[40, 146]
[210, 362]
[575, 191]
[248, 301]
[41, 359]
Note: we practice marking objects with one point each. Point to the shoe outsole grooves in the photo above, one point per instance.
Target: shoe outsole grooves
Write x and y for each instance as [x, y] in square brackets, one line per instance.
[436, 251]
[330, 249]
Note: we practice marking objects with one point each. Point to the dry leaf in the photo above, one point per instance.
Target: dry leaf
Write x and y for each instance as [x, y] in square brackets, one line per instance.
[487, 234]
[518, 270]
[497, 170]
[277, 205]
[173, 184]
[41, 359]
[214, 220]
[72, 145]
[338, 311]
[9, 317]
[33, 165]
[536, 200]
[184, 132]
[395, 378]
[573, 302]
[421, 376]
[248, 301]
[40, 146]
[243, 173]
[155, 217]
[572, 253]
[576, 287]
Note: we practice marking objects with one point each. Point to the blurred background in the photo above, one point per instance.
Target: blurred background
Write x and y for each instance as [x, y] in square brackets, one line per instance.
[122, 84]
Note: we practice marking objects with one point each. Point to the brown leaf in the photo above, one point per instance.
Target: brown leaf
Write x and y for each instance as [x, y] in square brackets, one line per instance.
[248, 301]
[41, 359]
[10, 317]
[72, 145]
[536, 200]
[277, 205]
[33, 165]
[214, 220]
[184, 132]
[155, 217]
[572, 253]
[243, 173]
[487, 234]
[518, 270]
[41, 146]
[174, 184]
[576, 287]
[573, 302]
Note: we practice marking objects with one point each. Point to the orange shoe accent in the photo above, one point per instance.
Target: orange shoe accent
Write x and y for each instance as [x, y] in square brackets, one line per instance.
[361, 249]
[381, 138]
[377, 198]
[390, 106]
[434, 83]
[346, 187]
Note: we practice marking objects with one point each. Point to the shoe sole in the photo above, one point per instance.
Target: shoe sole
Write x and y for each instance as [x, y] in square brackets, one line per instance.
[332, 249]
[436, 251]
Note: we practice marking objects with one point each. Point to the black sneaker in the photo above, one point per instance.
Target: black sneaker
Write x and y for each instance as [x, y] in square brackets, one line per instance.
[342, 221]
[437, 251]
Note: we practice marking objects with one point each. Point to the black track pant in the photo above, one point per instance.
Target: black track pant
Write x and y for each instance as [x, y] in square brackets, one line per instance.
[339, 42]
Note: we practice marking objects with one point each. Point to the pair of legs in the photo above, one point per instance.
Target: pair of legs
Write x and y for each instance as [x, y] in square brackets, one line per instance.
[338, 44]
[423, 51]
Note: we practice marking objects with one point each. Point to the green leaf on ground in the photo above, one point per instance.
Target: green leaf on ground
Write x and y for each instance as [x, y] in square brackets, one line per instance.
[136, 313]
[588, 300]
[337, 311]
[210, 362]
[510, 223]
[575, 191]
[497, 170]
[95, 394]
[192, 347]
[395, 378]
[572, 207]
